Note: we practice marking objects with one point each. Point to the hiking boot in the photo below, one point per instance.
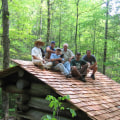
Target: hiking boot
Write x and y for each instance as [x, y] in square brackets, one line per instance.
[68, 76]
[93, 77]
[82, 79]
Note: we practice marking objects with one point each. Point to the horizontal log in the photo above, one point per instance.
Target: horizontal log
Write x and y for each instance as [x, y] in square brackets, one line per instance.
[13, 89]
[38, 101]
[40, 87]
[42, 90]
[22, 107]
[23, 98]
[37, 115]
[21, 84]
[31, 91]
[20, 116]
[43, 105]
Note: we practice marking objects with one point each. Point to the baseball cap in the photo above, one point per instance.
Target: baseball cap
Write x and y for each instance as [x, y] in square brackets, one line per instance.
[52, 42]
[58, 49]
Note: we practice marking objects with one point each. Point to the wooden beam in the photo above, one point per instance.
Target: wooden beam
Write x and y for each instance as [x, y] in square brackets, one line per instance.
[43, 105]
[42, 90]
[20, 116]
[23, 98]
[37, 92]
[21, 84]
[13, 89]
[22, 107]
[38, 102]
[33, 114]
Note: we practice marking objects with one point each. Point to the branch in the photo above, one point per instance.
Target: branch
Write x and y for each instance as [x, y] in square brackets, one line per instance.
[92, 8]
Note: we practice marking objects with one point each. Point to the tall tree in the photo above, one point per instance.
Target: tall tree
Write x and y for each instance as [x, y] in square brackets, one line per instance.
[48, 23]
[94, 37]
[6, 44]
[40, 26]
[77, 5]
[79, 39]
[106, 36]
[6, 41]
[60, 26]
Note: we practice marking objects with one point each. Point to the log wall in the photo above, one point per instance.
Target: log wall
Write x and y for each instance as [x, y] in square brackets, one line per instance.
[31, 103]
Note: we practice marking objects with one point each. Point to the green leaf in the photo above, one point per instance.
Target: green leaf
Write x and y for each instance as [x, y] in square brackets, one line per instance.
[53, 119]
[59, 98]
[62, 108]
[67, 97]
[49, 117]
[72, 112]
[46, 117]
[54, 113]
[51, 104]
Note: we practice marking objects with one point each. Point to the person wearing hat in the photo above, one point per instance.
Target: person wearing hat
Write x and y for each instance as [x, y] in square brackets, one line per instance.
[36, 53]
[59, 64]
[79, 67]
[68, 54]
[50, 49]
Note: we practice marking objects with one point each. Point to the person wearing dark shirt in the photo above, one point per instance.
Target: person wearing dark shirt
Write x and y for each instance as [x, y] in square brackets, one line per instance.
[92, 61]
[79, 67]
[49, 49]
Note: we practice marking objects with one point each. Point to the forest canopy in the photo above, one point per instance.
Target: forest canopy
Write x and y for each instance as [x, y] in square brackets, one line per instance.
[80, 23]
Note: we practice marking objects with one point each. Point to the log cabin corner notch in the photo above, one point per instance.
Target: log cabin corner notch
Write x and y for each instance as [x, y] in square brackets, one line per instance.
[95, 100]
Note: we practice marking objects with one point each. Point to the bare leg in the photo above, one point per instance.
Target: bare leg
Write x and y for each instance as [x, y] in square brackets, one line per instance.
[75, 72]
[83, 70]
[94, 68]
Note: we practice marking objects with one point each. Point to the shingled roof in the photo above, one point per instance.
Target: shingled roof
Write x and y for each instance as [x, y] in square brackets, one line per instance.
[99, 98]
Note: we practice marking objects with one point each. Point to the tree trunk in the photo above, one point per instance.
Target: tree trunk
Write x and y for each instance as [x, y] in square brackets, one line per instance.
[6, 44]
[6, 41]
[40, 26]
[79, 39]
[48, 24]
[76, 28]
[51, 24]
[106, 35]
[60, 27]
[94, 38]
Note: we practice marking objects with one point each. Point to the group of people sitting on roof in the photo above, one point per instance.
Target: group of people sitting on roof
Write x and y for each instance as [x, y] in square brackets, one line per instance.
[64, 60]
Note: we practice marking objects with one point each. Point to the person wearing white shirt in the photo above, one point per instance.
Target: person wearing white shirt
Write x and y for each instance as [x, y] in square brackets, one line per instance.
[68, 54]
[36, 53]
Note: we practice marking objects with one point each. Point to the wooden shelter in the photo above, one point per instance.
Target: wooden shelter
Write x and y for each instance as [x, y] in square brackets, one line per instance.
[94, 100]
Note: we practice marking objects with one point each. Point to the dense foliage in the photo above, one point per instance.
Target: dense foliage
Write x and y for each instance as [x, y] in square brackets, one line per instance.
[28, 22]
